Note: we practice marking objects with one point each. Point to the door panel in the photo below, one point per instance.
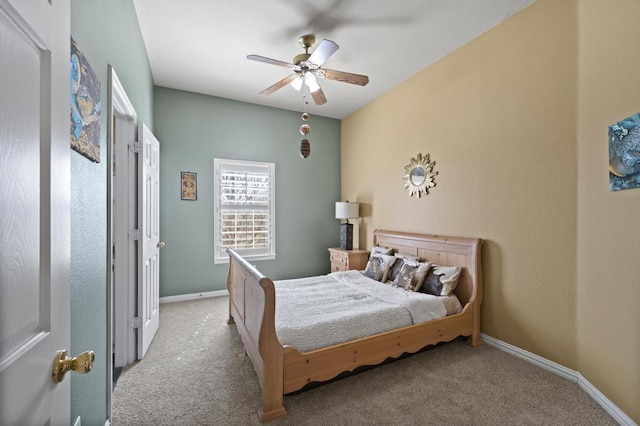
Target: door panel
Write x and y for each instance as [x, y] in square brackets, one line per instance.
[149, 209]
[20, 317]
[124, 219]
[34, 209]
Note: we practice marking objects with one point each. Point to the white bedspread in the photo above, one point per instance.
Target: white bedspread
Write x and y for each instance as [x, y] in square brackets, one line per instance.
[317, 312]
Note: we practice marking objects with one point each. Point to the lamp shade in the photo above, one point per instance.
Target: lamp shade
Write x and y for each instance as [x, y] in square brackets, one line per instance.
[347, 210]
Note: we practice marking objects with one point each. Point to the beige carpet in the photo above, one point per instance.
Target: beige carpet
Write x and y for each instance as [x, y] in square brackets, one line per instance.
[196, 373]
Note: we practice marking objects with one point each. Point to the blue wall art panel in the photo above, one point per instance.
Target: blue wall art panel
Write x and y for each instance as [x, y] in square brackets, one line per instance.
[85, 106]
[624, 154]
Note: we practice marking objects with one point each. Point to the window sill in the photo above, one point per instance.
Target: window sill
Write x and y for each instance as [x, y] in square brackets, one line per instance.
[249, 258]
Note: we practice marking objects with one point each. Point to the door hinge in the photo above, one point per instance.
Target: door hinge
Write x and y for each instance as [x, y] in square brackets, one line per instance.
[135, 147]
[135, 322]
[135, 234]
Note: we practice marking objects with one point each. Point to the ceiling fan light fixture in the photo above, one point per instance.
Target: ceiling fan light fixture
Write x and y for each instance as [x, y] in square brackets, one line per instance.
[311, 82]
[297, 83]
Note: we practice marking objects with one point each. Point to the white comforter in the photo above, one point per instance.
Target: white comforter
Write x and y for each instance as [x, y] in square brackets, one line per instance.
[317, 312]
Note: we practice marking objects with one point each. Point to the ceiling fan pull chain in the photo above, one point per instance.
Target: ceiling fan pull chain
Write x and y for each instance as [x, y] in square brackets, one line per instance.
[305, 145]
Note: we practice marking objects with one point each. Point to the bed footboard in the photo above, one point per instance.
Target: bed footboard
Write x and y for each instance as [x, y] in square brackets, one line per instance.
[252, 308]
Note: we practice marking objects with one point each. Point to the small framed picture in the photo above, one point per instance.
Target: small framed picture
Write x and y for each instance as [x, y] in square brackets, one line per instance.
[189, 186]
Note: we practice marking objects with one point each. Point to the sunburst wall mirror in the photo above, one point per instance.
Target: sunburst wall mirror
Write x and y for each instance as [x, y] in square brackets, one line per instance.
[419, 175]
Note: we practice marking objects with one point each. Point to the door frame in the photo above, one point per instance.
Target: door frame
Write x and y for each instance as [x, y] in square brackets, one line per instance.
[119, 107]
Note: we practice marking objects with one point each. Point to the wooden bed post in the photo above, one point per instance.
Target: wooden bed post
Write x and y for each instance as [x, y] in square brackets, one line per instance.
[229, 289]
[272, 355]
[474, 340]
[252, 307]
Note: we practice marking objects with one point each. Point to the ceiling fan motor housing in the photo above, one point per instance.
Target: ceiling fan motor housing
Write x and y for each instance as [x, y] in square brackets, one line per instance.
[301, 58]
[307, 41]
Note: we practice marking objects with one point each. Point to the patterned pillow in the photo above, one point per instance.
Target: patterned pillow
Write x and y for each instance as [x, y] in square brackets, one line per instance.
[441, 280]
[411, 275]
[395, 268]
[382, 250]
[378, 266]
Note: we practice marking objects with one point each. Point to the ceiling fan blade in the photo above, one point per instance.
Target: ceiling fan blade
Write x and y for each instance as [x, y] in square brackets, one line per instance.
[269, 61]
[346, 77]
[318, 97]
[279, 85]
[325, 49]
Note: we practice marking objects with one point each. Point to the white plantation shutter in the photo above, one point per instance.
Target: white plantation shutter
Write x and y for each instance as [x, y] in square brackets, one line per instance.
[244, 217]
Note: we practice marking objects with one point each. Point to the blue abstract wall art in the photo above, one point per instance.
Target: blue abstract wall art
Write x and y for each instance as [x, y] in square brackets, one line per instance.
[624, 154]
[85, 106]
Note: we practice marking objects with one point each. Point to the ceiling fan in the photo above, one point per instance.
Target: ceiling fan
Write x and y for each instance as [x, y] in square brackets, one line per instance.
[307, 69]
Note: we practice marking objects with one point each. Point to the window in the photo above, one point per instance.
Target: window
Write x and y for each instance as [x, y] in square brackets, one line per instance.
[244, 209]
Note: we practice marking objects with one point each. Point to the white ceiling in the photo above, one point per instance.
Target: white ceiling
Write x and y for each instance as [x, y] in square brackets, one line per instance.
[201, 45]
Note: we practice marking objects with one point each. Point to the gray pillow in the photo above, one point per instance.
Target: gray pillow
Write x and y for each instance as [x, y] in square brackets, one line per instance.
[395, 268]
[411, 275]
[382, 250]
[441, 280]
[431, 284]
[378, 266]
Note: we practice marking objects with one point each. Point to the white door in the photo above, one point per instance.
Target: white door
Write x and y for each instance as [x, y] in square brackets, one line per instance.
[149, 247]
[123, 219]
[34, 209]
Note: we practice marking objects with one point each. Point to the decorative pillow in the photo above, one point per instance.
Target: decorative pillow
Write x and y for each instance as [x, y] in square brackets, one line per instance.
[378, 266]
[382, 250]
[431, 284]
[395, 268]
[411, 275]
[441, 280]
[421, 273]
[407, 257]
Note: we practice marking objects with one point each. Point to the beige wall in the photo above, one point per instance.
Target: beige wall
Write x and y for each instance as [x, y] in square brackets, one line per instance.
[500, 118]
[608, 315]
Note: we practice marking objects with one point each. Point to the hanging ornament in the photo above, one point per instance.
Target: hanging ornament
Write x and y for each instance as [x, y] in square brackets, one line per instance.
[305, 145]
[305, 148]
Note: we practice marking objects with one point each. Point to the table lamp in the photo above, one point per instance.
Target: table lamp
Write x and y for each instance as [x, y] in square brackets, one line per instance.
[346, 210]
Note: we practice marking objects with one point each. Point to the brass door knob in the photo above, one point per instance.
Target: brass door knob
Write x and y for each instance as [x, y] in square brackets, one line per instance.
[161, 244]
[80, 364]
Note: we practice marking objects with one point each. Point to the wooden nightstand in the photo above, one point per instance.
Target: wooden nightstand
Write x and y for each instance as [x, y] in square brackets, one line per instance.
[343, 260]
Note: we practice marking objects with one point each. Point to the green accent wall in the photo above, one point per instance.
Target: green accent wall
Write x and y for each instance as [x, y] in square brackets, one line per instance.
[193, 129]
[108, 34]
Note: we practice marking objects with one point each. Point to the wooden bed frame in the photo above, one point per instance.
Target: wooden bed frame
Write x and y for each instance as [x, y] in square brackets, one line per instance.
[283, 369]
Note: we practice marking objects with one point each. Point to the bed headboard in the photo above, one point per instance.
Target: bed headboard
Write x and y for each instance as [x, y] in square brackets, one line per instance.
[445, 251]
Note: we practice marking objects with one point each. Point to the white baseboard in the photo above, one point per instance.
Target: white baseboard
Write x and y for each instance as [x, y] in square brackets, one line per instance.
[613, 410]
[574, 376]
[193, 296]
[558, 369]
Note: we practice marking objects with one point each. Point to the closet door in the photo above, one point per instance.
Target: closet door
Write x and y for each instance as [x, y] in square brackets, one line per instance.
[150, 244]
